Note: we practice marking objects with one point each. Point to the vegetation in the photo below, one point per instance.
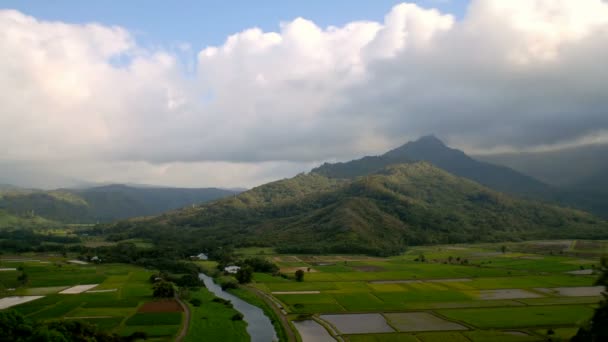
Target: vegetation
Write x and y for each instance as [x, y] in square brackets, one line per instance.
[212, 320]
[379, 214]
[14, 327]
[470, 294]
[432, 150]
[597, 327]
[244, 275]
[99, 204]
[163, 289]
[299, 275]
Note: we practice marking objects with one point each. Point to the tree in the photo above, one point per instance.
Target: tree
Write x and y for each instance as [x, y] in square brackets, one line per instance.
[597, 328]
[23, 279]
[163, 289]
[299, 275]
[244, 275]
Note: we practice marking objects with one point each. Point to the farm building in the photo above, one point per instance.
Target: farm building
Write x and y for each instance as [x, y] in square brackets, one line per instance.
[231, 269]
[201, 256]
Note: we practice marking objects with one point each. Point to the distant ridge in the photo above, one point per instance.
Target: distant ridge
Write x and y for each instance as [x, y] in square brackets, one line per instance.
[103, 203]
[431, 149]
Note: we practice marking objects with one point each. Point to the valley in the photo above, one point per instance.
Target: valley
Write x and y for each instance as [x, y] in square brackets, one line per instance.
[460, 292]
[521, 291]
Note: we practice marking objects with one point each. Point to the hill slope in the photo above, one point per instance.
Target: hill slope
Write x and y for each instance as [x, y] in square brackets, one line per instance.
[103, 204]
[415, 203]
[454, 161]
[8, 221]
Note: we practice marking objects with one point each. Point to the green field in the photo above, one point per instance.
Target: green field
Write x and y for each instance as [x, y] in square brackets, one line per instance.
[213, 320]
[448, 284]
[114, 311]
[490, 294]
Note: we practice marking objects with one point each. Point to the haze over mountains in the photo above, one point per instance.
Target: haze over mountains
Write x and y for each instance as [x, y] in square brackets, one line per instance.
[103, 203]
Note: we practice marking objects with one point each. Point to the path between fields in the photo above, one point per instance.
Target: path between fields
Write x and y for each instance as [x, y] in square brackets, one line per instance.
[182, 334]
[291, 337]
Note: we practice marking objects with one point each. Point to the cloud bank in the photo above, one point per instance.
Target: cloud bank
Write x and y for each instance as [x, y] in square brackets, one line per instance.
[87, 101]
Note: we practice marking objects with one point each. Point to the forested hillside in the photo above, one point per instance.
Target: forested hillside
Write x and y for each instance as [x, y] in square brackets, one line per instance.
[382, 213]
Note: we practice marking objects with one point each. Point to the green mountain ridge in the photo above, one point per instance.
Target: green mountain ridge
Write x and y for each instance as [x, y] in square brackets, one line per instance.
[382, 213]
[9, 221]
[433, 150]
[102, 204]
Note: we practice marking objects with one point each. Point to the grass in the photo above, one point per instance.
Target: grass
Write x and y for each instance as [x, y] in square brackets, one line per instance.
[497, 336]
[519, 317]
[212, 321]
[155, 318]
[113, 309]
[441, 337]
[383, 338]
[153, 331]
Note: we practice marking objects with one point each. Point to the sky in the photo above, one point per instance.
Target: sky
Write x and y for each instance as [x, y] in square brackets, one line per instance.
[238, 93]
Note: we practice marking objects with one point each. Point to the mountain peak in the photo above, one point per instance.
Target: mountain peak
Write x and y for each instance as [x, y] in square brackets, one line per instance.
[429, 139]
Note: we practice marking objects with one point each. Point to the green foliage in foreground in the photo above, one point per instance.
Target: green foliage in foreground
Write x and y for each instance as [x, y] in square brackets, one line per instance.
[379, 214]
[14, 327]
[597, 329]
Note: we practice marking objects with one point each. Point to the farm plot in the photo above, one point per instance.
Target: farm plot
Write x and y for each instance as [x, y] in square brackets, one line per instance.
[168, 305]
[311, 331]
[8, 302]
[358, 323]
[78, 289]
[496, 295]
[584, 291]
[110, 302]
[506, 294]
[421, 321]
[520, 317]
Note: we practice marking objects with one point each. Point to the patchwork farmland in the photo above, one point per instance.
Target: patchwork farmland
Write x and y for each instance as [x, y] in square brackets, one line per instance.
[519, 292]
[115, 297]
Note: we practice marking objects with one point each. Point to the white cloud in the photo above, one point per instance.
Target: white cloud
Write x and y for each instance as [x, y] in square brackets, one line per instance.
[518, 74]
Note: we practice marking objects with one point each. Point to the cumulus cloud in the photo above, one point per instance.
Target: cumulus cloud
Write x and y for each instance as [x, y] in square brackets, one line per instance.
[518, 74]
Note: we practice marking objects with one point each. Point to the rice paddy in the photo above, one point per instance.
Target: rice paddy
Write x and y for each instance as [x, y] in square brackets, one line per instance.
[459, 293]
[115, 297]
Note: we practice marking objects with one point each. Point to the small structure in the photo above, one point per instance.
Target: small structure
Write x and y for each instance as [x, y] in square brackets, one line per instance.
[201, 256]
[231, 269]
[95, 259]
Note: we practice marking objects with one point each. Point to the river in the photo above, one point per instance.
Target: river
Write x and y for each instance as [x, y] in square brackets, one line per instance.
[259, 327]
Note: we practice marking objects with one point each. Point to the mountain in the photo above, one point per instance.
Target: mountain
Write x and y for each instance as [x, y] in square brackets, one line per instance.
[104, 203]
[380, 213]
[433, 150]
[9, 221]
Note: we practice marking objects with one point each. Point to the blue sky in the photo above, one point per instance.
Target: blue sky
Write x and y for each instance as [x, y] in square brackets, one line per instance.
[204, 23]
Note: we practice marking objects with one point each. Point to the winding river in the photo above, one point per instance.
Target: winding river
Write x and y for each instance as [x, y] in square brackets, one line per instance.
[259, 327]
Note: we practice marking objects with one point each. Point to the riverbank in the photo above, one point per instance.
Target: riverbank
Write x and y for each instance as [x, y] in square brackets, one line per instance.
[259, 326]
[279, 321]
